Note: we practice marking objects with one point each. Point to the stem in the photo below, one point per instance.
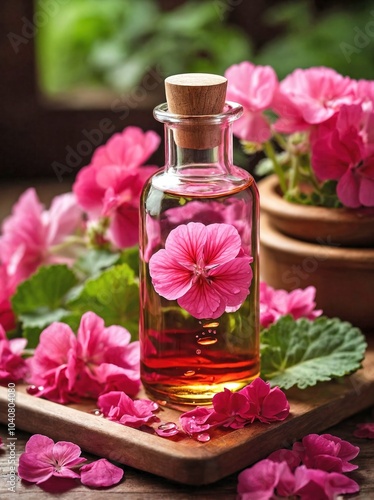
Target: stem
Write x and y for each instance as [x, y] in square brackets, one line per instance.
[294, 172]
[280, 140]
[70, 240]
[270, 153]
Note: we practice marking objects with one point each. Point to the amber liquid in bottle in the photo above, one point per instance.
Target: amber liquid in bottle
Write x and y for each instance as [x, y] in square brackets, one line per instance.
[185, 359]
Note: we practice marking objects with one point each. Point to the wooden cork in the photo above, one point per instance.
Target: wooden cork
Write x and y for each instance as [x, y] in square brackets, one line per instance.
[196, 94]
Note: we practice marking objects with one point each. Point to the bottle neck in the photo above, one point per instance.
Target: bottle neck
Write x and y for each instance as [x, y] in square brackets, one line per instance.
[214, 161]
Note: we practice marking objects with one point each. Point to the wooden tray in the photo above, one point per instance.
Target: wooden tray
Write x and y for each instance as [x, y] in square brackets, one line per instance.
[183, 459]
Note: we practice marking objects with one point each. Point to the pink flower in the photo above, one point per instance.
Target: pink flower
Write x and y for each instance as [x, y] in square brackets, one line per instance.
[203, 268]
[12, 366]
[265, 478]
[235, 410]
[283, 455]
[100, 474]
[117, 406]
[265, 404]
[32, 235]
[311, 96]
[340, 152]
[312, 484]
[7, 318]
[98, 360]
[104, 359]
[276, 303]
[43, 459]
[110, 187]
[253, 87]
[365, 431]
[326, 452]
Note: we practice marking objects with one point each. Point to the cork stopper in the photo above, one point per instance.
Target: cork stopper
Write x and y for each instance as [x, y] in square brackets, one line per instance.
[196, 94]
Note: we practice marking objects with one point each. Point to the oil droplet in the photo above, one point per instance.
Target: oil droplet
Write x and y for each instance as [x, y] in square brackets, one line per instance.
[97, 413]
[198, 351]
[203, 438]
[189, 373]
[32, 389]
[213, 324]
[207, 341]
[169, 426]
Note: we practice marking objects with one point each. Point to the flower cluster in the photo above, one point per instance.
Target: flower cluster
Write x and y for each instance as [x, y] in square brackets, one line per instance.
[118, 407]
[276, 303]
[12, 366]
[312, 469]
[109, 188]
[256, 401]
[43, 459]
[324, 127]
[66, 367]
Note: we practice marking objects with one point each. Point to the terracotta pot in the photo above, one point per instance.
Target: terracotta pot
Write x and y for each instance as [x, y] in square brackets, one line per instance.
[326, 226]
[343, 277]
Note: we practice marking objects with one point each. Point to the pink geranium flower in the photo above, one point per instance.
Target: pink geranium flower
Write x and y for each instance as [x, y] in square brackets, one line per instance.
[311, 96]
[117, 406]
[253, 87]
[31, 235]
[237, 409]
[12, 366]
[98, 360]
[202, 267]
[265, 404]
[340, 152]
[276, 303]
[100, 474]
[110, 187]
[312, 484]
[43, 459]
[265, 479]
[326, 452]
[365, 431]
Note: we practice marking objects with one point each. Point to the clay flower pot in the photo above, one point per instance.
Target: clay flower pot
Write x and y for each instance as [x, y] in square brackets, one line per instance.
[304, 245]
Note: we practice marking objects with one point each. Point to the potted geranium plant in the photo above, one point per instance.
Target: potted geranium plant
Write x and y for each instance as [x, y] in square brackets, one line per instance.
[316, 130]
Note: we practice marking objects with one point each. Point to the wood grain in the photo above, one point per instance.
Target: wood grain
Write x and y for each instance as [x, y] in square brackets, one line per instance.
[183, 459]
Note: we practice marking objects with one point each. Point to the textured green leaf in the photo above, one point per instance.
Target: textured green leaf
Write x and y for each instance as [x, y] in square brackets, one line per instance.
[45, 290]
[95, 261]
[303, 352]
[114, 295]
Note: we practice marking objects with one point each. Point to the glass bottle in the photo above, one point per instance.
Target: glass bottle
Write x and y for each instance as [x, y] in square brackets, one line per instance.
[199, 268]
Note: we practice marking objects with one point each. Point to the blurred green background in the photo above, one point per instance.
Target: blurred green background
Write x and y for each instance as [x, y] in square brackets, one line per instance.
[113, 43]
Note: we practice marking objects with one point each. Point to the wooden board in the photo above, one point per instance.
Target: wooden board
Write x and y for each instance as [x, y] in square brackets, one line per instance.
[185, 460]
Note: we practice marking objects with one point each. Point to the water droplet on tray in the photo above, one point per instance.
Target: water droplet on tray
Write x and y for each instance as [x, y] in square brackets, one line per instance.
[32, 389]
[168, 426]
[97, 412]
[203, 437]
[167, 429]
[189, 373]
[198, 351]
[207, 341]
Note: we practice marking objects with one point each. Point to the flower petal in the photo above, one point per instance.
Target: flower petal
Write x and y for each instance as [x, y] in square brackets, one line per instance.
[170, 279]
[101, 474]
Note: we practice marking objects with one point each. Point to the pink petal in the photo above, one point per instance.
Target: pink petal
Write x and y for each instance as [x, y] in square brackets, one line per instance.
[33, 468]
[232, 280]
[63, 218]
[252, 127]
[290, 457]
[228, 403]
[185, 244]
[67, 454]
[260, 481]
[202, 301]
[222, 244]
[364, 431]
[170, 279]
[39, 444]
[100, 474]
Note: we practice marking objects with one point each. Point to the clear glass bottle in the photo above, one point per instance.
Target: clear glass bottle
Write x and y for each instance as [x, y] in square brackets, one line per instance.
[199, 270]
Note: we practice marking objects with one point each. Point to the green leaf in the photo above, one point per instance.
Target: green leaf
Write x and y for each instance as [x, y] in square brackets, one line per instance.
[45, 290]
[114, 295]
[305, 352]
[94, 262]
[130, 256]
[39, 301]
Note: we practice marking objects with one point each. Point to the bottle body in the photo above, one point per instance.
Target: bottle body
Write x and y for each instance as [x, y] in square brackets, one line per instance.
[199, 268]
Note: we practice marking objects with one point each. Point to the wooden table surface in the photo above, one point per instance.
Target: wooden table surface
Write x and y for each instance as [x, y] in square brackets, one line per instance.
[139, 485]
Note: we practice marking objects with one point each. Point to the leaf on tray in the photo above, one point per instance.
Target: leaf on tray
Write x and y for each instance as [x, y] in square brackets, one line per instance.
[303, 352]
